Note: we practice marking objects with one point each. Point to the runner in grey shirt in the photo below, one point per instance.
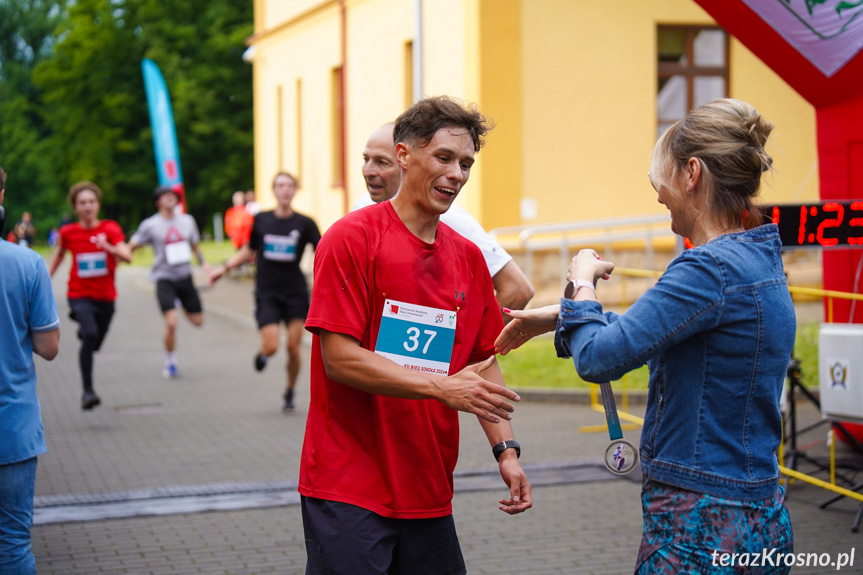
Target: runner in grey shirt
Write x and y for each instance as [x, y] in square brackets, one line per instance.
[174, 237]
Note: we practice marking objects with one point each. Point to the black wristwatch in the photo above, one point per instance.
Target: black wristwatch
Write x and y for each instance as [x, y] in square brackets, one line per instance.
[503, 446]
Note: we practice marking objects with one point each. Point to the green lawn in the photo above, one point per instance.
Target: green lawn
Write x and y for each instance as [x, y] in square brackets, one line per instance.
[535, 364]
[214, 253]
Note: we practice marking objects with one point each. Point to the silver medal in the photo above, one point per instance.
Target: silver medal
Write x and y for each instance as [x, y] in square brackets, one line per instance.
[620, 457]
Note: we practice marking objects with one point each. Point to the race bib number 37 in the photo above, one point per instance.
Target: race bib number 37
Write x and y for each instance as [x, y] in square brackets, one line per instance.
[417, 337]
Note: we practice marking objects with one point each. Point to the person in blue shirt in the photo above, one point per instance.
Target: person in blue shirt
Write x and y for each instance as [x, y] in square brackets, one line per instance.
[28, 324]
[716, 331]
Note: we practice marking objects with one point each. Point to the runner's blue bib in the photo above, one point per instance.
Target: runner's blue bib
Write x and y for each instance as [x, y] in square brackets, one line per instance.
[280, 248]
[92, 264]
[417, 337]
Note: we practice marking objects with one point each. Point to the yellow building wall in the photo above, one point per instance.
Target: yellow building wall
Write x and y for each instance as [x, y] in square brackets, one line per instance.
[273, 13]
[499, 70]
[377, 33]
[571, 86]
[293, 97]
[589, 92]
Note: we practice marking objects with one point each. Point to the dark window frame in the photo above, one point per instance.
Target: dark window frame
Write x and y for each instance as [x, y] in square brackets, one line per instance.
[690, 71]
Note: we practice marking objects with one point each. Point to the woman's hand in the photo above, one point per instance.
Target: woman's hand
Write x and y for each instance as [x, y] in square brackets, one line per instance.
[588, 266]
[525, 325]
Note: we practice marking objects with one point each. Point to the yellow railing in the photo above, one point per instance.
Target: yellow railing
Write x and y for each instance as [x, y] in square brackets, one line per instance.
[829, 295]
[634, 421]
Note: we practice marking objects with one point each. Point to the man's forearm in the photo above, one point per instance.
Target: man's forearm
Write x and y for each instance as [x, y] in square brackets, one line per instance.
[47, 343]
[349, 363]
[496, 432]
[512, 288]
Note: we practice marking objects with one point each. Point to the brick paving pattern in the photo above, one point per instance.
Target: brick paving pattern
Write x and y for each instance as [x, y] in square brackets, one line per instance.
[220, 425]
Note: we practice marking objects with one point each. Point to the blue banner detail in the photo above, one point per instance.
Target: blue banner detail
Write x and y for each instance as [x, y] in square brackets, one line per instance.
[162, 124]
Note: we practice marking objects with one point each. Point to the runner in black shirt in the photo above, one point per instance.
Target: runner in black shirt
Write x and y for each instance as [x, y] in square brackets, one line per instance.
[278, 241]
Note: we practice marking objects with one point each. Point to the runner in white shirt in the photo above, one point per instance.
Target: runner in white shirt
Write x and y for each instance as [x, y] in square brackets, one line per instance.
[381, 173]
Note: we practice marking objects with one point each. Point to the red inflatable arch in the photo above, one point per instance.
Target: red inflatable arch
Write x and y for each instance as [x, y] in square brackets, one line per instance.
[816, 48]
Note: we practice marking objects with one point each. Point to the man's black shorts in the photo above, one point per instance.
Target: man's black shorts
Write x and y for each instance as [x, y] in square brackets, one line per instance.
[343, 538]
[272, 309]
[169, 290]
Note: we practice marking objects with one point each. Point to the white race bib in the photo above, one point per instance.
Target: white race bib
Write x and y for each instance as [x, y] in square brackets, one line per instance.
[177, 253]
[417, 337]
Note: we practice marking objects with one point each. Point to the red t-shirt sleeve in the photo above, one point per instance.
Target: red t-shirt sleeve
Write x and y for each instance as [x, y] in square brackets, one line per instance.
[114, 233]
[64, 235]
[340, 296]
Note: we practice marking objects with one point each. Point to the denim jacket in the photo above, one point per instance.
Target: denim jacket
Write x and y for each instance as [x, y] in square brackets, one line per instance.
[716, 331]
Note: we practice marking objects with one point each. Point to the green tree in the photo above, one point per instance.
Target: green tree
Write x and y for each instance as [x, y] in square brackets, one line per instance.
[26, 39]
[96, 107]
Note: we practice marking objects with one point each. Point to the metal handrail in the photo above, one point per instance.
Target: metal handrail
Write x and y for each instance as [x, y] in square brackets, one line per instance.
[564, 235]
[827, 295]
[526, 232]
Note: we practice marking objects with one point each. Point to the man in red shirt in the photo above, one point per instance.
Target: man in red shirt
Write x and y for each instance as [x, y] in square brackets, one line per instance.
[96, 245]
[404, 320]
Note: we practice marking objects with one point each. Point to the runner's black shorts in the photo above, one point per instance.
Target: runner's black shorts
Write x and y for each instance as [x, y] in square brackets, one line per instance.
[344, 538]
[183, 289]
[277, 309]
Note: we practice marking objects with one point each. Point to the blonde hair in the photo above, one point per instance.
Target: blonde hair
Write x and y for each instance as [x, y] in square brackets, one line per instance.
[727, 136]
[288, 174]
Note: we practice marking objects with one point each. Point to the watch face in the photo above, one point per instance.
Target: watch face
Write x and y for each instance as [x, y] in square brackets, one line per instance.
[569, 290]
[620, 457]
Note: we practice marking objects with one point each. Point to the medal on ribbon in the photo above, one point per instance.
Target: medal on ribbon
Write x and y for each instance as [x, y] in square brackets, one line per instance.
[620, 455]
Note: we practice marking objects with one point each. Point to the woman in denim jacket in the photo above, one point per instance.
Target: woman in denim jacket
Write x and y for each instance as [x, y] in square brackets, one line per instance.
[716, 331]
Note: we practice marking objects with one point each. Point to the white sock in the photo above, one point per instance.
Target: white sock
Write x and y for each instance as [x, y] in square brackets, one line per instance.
[170, 358]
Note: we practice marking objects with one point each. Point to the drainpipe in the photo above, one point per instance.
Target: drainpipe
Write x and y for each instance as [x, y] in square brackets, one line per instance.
[344, 96]
[417, 63]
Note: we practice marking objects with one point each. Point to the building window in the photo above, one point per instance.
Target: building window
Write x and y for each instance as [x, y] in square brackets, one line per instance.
[298, 122]
[408, 65]
[692, 68]
[280, 141]
[338, 126]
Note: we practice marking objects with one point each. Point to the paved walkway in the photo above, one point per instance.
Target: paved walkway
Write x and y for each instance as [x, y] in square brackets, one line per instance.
[198, 475]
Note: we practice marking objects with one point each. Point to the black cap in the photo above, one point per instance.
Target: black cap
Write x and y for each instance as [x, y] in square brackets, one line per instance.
[162, 190]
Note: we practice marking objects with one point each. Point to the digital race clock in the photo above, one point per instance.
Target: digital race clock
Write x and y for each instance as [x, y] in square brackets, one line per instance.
[818, 224]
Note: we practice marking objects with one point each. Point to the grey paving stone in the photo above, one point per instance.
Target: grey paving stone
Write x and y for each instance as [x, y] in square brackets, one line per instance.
[221, 423]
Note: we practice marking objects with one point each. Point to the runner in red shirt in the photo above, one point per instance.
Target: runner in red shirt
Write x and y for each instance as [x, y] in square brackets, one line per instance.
[404, 320]
[96, 245]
